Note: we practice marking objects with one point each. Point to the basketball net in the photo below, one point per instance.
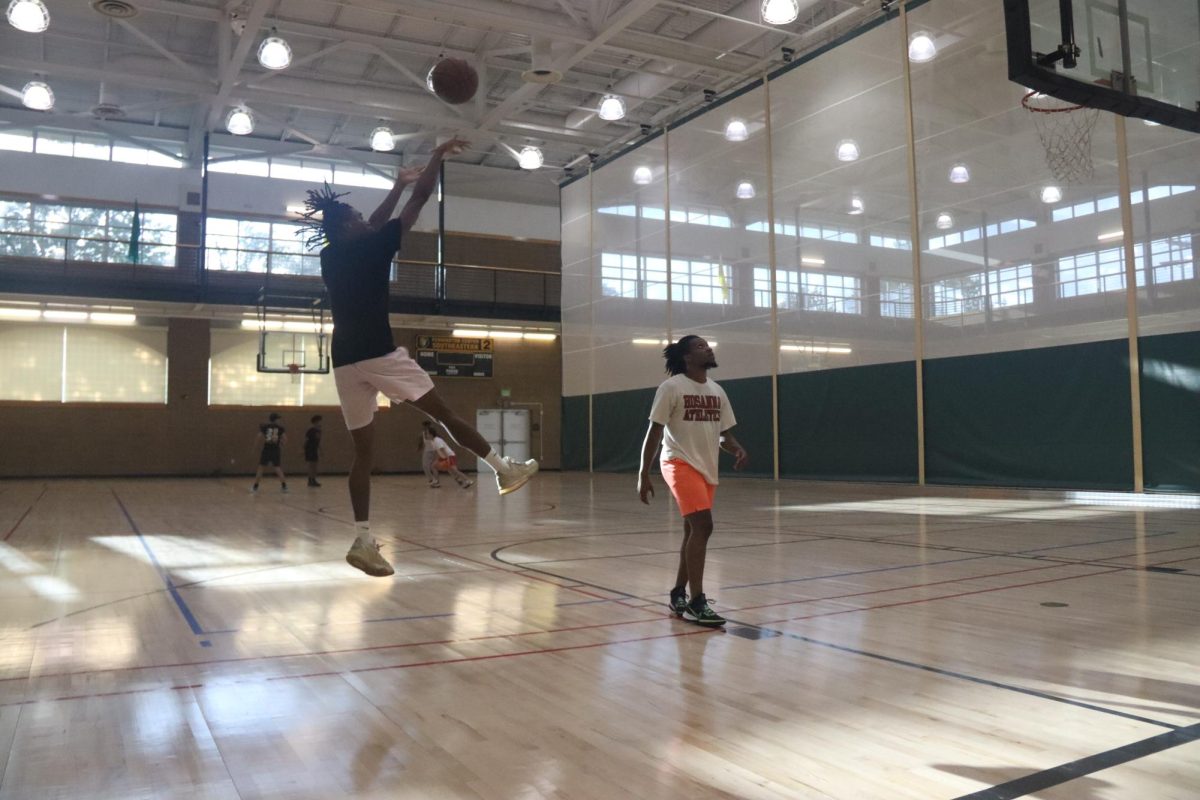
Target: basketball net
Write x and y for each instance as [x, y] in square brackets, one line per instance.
[294, 369]
[1066, 133]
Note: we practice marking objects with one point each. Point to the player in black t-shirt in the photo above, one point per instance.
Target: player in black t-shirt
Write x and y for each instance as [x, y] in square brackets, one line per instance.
[312, 449]
[356, 265]
[271, 437]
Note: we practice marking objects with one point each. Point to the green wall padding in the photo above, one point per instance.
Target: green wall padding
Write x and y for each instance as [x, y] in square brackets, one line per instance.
[856, 423]
[1051, 417]
[575, 432]
[751, 401]
[1171, 411]
[620, 420]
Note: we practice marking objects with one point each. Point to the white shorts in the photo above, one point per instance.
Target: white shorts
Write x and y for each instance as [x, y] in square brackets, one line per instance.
[396, 375]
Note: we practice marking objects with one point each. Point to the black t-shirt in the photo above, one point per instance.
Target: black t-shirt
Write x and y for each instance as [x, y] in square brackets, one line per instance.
[272, 434]
[356, 273]
[312, 440]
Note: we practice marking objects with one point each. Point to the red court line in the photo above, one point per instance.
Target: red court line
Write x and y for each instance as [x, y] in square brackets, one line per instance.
[465, 659]
[349, 650]
[941, 597]
[17, 524]
[1054, 565]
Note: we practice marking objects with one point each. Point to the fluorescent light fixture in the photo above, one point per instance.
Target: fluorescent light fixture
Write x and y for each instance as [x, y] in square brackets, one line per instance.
[856, 206]
[239, 122]
[530, 158]
[294, 209]
[1149, 123]
[106, 318]
[642, 176]
[58, 315]
[540, 337]
[959, 173]
[813, 261]
[921, 48]
[274, 52]
[1051, 194]
[664, 342]
[736, 130]
[611, 108]
[505, 334]
[20, 313]
[745, 190]
[847, 150]
[38, 96]
[30, 16]
[1104, 237]
[944, 221]
[382, 139]
[814, 348]
[469, 333]
[780, 12]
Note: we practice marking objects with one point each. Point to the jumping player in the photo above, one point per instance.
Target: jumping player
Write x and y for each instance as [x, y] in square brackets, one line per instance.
[356, 265]
[692, 418]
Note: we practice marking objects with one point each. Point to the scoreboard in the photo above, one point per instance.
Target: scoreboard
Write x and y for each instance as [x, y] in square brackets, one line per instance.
[455, 357]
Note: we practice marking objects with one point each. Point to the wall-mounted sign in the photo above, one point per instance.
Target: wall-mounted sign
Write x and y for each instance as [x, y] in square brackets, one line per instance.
[455, 357]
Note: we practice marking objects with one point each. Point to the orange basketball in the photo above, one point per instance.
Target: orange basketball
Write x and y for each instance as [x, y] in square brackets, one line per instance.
[453, 80]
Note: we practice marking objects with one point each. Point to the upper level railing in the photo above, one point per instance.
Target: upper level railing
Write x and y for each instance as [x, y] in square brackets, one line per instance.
[44, 263]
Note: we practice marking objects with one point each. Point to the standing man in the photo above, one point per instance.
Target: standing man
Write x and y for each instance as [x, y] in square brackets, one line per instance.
[271, 437]
[695, 415]
[312, 449]
[356, 265]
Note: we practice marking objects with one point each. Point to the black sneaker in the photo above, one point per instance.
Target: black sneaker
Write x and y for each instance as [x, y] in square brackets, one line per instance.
[678, 602]
[698, 611]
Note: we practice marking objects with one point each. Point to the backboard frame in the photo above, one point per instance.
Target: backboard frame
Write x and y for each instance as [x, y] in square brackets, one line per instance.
[1038, 72]
[292, 322]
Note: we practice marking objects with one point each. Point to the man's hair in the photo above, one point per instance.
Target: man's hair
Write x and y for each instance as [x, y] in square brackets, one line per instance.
[316, 418]
[325, 228]
[674, 354]
[273, 417]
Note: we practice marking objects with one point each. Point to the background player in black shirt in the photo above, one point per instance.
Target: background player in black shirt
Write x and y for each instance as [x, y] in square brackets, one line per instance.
[356, 265]
[271, 437]
[312, 449]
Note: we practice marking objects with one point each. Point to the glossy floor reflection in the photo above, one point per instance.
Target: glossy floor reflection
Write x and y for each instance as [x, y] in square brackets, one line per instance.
[183, 639]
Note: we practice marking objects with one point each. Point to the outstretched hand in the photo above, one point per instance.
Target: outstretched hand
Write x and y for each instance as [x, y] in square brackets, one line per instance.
[408, 175]
[452, 146]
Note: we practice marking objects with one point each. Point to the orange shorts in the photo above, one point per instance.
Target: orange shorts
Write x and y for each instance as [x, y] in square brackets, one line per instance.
[692, 493]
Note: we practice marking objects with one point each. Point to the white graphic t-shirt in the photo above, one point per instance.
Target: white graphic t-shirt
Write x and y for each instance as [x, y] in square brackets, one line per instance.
[693, 416]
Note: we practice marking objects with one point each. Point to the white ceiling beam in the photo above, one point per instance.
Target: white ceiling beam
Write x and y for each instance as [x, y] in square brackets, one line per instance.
[164, 52]
[231, 68]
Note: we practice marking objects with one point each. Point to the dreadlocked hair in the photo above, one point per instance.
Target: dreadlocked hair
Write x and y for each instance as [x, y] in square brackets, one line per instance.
[674, 354]
[323, 216]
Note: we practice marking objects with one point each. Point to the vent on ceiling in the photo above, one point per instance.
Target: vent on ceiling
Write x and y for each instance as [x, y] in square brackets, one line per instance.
[120, 9]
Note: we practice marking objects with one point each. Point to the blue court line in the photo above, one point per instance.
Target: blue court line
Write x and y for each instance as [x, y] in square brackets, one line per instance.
[188, 616]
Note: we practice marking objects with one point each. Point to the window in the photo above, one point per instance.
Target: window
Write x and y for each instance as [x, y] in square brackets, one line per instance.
[1171, 259]
[1011, 286]
[689, 215]
[618, 275]
[969, 294]
[829, 233]
[890, 242]
[809, 291]
[699, 282]
[1097, 272]
[895, 298]
[1112, 202]
[255, 246]
[44, 362]
[974, 234]
[84, 233]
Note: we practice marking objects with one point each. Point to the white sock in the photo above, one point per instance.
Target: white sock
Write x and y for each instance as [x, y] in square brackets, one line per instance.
[496, 462]
[362, 530]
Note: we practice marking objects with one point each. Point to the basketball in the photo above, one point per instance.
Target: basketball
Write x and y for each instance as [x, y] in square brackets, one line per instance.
[453, 80]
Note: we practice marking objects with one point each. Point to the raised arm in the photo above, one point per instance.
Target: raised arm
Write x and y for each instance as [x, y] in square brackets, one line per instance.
[427, 180]
[653, 439]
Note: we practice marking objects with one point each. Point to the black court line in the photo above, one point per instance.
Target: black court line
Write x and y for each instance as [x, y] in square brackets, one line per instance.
[1063, 773]
[765, 632]
[949, 673]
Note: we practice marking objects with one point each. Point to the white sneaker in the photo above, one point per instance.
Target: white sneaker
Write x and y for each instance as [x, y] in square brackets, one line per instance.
[366, 557]
[517, 475]
[467, 484]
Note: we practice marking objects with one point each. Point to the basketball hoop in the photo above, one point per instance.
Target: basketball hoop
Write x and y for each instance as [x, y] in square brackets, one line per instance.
[294, 371]
[1066, 133]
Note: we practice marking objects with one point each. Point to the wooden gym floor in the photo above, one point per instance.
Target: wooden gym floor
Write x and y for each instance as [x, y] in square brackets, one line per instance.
[183, 639]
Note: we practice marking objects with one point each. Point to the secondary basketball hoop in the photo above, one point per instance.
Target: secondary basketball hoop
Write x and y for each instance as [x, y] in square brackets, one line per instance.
[1065, 130]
